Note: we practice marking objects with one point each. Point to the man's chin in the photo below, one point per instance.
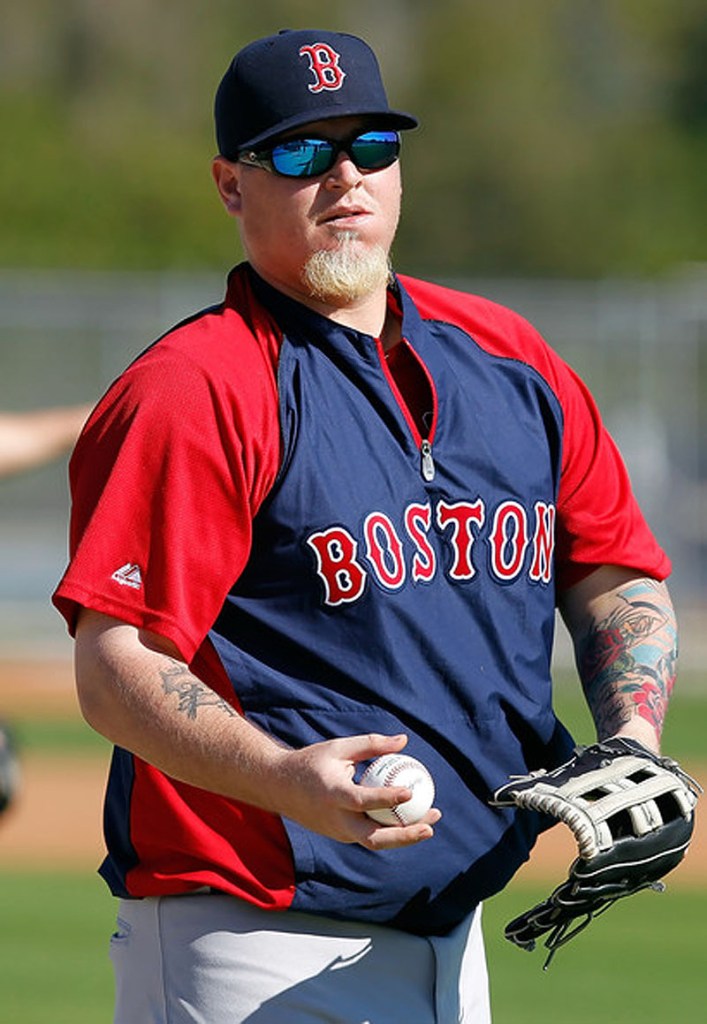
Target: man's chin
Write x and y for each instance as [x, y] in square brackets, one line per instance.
[348, 272]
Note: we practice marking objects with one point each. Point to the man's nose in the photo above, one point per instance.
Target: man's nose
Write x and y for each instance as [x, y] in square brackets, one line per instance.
[344, 173]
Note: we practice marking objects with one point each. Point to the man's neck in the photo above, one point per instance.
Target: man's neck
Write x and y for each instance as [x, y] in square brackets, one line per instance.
[370, 314]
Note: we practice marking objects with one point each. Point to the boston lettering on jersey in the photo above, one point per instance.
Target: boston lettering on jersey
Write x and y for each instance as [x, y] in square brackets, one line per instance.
[516, 541]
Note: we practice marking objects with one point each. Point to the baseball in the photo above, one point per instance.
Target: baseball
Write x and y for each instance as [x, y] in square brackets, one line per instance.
[401, 770]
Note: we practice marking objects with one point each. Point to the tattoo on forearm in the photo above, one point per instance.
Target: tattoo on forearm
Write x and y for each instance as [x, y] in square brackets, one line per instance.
[192, 693]
[628, 660]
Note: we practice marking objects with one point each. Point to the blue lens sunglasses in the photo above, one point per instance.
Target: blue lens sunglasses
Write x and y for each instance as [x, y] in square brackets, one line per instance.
[309, 157]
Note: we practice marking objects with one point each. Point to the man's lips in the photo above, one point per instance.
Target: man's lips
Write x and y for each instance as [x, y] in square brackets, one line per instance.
[344, 213]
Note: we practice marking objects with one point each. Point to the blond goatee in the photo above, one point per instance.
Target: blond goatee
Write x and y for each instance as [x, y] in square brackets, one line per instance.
[346, 273]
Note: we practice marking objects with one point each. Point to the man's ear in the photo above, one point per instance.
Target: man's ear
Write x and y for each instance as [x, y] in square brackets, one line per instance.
[226, 174]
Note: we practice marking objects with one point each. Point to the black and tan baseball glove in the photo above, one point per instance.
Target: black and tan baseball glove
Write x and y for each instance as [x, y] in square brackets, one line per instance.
[632, 814]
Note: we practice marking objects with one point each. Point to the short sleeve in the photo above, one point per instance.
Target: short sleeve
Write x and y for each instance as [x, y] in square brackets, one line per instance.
[165, 482]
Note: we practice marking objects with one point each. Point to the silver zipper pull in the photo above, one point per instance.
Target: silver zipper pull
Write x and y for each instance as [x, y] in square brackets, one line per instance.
[428, 465]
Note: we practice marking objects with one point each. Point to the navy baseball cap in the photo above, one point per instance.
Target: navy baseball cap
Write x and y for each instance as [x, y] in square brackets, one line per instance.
[295, 77]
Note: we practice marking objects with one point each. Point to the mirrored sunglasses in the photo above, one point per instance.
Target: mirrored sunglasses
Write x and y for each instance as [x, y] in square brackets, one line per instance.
[306, 158]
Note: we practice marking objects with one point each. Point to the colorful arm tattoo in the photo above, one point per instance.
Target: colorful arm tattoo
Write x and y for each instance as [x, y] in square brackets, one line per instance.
[193, 694]
[627, 661]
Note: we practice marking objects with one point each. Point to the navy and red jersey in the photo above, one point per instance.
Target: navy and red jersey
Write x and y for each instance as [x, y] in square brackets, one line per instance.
[338, 543]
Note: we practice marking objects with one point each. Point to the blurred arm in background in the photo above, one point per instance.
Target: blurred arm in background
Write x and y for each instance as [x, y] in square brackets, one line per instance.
[29, 439]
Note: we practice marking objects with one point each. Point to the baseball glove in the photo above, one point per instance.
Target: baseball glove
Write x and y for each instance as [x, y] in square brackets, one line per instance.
[632, 815]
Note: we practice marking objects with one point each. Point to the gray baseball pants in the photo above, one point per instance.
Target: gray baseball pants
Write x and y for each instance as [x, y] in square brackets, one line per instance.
[214, 959]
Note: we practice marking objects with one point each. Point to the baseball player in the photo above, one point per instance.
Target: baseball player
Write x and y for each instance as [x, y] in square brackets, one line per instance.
[328, 518]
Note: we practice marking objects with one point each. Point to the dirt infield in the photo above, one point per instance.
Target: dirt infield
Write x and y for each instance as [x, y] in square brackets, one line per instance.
[56, 820]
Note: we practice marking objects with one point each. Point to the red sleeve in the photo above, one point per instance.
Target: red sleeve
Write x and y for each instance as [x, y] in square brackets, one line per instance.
[165, 481]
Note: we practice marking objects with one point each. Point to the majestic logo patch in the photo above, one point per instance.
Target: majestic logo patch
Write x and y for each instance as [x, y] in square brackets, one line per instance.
[324, 65]
[128, 575]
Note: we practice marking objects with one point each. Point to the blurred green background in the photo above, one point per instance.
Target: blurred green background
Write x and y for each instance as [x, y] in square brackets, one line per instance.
[558, 137]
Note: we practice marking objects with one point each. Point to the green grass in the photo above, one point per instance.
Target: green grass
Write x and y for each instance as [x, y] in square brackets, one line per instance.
[54, 963]
[59, 736]
[641, 963]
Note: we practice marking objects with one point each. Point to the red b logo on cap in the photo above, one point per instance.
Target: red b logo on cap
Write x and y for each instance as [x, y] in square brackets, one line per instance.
[324, 64]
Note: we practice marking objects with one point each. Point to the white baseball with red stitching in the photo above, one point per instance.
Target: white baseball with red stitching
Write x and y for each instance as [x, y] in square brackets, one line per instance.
[401, 770]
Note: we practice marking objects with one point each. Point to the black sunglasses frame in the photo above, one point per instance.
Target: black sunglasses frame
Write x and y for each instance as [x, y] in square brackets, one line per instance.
[263, 158]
